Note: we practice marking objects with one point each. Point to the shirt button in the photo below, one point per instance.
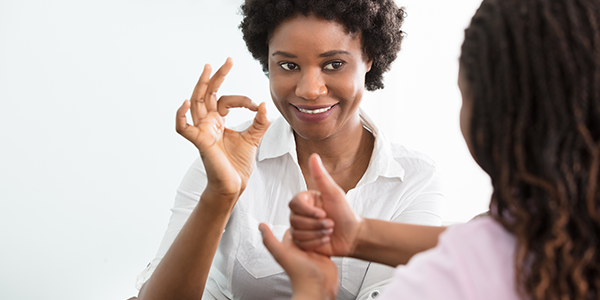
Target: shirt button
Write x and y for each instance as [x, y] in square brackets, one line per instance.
[375, 294]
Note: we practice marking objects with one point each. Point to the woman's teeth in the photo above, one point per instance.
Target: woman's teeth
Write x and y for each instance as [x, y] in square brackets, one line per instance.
[316, 111]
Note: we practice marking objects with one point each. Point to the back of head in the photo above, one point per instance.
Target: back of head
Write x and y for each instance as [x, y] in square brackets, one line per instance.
[533, 68]
[378, 21]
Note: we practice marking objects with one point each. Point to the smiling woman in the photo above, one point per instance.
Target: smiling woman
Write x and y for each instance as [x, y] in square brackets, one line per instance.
[317, 74]
[320, 57]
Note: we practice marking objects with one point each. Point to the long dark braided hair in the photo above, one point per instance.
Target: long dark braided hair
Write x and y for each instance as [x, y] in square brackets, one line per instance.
[533, 68]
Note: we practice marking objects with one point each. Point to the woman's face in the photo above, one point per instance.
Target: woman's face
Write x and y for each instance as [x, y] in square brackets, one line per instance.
[317, 75]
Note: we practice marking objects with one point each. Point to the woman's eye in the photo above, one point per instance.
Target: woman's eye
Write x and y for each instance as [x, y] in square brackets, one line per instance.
[289, 66]
[333, 65]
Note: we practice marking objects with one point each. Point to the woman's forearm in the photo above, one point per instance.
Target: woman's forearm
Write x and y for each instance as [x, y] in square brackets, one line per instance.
[392, 243]
[183, 271]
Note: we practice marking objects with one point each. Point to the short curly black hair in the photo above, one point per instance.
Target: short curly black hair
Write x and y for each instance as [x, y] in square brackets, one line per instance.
[378, 21]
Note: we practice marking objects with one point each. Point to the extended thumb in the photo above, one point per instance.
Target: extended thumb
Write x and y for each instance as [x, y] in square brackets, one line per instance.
[325, 184]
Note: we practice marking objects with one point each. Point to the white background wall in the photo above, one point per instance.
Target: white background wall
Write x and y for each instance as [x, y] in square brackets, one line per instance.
[89, 158]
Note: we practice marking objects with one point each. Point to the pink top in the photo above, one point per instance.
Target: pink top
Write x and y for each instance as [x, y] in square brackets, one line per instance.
[471, 261]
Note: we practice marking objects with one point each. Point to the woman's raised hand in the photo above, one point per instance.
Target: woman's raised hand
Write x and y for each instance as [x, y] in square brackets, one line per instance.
[323, 221]
[228, 155]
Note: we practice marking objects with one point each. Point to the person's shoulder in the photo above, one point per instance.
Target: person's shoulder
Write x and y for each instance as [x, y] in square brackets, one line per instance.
[484, 251]
[483, 232]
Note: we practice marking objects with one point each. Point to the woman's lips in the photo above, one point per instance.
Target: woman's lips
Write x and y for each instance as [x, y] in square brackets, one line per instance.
[313, 114]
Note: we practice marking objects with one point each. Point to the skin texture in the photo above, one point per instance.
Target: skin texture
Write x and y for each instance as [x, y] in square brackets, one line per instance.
[316, 64]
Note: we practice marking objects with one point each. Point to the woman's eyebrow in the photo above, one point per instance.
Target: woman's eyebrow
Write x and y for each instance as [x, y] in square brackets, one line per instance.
[334, 52]
[325, 54]
[285, 54]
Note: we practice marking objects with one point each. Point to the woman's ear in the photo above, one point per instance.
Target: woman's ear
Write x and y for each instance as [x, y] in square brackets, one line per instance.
[369, 64]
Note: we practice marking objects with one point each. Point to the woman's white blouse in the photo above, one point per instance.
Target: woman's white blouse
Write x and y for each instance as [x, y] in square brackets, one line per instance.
[399, 185]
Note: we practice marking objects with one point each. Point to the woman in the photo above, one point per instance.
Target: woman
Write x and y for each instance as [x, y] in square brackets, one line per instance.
[319, 56]
[530, 82]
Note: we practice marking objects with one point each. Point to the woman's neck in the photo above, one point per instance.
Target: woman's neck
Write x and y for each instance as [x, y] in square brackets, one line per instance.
[346, 156]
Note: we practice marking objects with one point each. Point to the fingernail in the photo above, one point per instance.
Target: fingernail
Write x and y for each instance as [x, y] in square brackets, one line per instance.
[319, 214]
[320, 162]
[327, 231]
[202, 100]
[327, 223]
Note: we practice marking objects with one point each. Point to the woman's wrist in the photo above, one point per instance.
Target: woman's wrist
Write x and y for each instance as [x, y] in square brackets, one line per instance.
[361, 237]
[310, 291]
[218, 201]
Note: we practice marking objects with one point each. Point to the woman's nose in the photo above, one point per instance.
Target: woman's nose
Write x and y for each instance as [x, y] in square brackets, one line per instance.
[311, 85]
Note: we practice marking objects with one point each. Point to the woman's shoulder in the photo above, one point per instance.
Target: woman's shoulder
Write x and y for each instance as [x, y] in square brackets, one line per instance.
[402, 152]
[413, 160]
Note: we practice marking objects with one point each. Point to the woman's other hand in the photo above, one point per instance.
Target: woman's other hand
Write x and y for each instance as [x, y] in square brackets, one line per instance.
[323, 221]
[313, 275]
[228, 155]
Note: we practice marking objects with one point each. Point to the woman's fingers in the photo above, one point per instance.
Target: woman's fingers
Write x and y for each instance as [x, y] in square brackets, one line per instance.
[259, 126]
[308, 235]
[227, 102]
[181, 125]
[304, 204]
[299, 222]
[215, 83]
[310, 245]
[198, 108]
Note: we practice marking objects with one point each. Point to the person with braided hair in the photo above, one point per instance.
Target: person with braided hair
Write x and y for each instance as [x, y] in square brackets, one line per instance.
[530, 81]
[320, 56]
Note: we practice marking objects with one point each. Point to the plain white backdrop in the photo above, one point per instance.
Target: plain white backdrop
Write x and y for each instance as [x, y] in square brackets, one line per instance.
[89, 158]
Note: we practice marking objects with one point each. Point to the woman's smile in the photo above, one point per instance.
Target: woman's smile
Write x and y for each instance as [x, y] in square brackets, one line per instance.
[317, 72]
[313, 114]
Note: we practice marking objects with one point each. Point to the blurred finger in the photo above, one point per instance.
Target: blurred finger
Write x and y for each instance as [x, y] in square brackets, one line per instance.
[304, 204]
[198, 108]
[272, 244]
[325, 184]
[307, 235]
[215, 83]
[227, 102]
[313, 244]
[299, 222]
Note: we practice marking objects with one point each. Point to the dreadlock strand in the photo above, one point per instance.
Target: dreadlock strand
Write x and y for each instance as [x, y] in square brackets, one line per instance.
[534, 70]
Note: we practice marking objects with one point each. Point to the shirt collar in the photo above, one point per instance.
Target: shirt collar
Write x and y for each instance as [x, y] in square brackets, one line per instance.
[382, 160]
[279, 140]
